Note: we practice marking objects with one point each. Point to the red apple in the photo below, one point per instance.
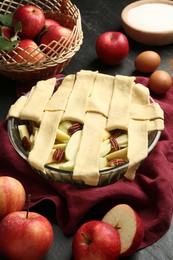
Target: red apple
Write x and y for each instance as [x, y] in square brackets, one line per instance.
[54, 34]
[96, 240]
[7, 32]
[49, 22]
[129, 225]
[32, 20]
[112, 47]
[27, 51]
[12, 195]
[25, 237]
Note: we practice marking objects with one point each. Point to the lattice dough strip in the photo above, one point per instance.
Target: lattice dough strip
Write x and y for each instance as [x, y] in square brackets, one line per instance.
[76, 106]
[59, 99]
[45, 139]
[100, 98]
[87, 159]
[37, 101]
[118, 117]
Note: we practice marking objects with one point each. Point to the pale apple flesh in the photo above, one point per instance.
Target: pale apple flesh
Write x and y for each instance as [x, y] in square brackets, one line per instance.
[70, 143]
[129, 225]
[96, 240]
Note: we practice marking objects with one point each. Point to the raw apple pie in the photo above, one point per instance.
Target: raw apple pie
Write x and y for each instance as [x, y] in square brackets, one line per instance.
[91, 122]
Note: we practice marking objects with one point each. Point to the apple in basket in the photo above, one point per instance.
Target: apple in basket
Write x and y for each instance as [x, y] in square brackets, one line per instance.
[96, 240]
[112, 47]
[7, 32]
[129, 225]
[12, 195]
[32, 20]
[49, 22]
[25, 235]
[54, 34]
[27, 51]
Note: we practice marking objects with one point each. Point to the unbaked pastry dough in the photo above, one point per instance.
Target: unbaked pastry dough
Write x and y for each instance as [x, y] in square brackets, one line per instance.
[118, 117]
[59, 99]
[87, 160]
[15, 109]
[45, 139]
[100, 98]
[99, 102]
[77, 102]
[34, 107]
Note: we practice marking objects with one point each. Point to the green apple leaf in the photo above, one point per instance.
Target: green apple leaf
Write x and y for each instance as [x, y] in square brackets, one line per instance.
[18, 27]
[6, 19]
[7, 45]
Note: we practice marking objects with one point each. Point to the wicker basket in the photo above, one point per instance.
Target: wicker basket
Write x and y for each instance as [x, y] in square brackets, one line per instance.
[64, 12]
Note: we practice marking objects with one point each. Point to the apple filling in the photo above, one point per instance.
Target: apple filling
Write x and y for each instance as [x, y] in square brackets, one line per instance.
[91, 122]
[113, 149]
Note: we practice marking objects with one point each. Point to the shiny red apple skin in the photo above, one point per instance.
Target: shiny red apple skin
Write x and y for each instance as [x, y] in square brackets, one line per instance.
[96, 240]
[7, 32]
[112, 47]
[24, 238]
[49, 22]
[129, 225]
[12, 195]
[24, 48]
[32, 20]
[54, 33]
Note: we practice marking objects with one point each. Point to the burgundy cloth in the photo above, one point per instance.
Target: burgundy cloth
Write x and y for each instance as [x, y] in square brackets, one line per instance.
[150, 194]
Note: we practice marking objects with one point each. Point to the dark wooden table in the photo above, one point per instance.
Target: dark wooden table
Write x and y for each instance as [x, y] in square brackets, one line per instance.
[98, 16]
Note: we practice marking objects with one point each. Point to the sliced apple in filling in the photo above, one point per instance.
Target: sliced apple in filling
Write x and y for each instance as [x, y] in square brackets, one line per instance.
[105, 148]
[122, 153]
[61, 136]
[73, 146]
[64, 126]
[23, 131]
[106, 135]
[122, 140]
[102, 163]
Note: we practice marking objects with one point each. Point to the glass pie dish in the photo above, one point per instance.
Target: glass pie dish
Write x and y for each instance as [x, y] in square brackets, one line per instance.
[106, 176]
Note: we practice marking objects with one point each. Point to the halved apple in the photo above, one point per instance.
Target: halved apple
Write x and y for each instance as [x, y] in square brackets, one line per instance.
[129, 225]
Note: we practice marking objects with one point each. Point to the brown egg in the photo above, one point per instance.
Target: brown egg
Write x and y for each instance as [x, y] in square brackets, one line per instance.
[160, 82]
[147, 61]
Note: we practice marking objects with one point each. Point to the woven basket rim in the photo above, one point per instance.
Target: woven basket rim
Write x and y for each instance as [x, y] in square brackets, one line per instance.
[51, 60]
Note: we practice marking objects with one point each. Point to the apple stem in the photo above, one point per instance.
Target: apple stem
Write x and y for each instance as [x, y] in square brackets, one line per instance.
[28, 205]
[86, 238]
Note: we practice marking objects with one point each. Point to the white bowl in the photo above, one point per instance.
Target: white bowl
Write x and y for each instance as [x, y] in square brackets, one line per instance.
[149, 22]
